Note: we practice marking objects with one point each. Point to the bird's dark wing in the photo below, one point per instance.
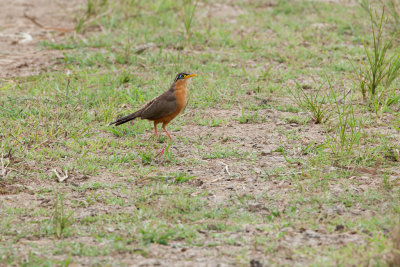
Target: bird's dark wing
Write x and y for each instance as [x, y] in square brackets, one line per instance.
[160, 106]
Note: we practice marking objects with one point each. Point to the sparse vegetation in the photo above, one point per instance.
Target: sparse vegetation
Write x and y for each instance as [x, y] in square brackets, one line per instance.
[189, 11]
[382, 64]
[348, 131]
[314, 102]
[272, 162]
[62, 218]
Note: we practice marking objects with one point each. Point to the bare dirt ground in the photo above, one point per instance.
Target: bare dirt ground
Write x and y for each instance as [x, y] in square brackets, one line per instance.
[23, 25]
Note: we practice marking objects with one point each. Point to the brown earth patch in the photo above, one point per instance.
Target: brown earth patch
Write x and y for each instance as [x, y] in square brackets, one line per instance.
[24, 25]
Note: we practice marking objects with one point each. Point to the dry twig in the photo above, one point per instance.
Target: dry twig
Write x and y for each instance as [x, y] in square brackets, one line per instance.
[34, 21]
[63, 178]
[141, 48]
[3, 171]
[226, 169]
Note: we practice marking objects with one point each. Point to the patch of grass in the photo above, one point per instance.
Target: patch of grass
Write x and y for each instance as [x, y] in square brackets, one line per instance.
[189, 11]
[61, 217]
[159, 235]
[316, 103]
[183, 177]
[348, 131]
[250, 118]
[211, 122]
[147, 157]
[296, 119]
[382, 66]
[179, 177]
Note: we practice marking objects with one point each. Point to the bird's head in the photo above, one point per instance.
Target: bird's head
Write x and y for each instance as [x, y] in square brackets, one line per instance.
[183, 76]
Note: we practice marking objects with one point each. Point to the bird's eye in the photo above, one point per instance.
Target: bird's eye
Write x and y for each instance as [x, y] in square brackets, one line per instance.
[180, 76]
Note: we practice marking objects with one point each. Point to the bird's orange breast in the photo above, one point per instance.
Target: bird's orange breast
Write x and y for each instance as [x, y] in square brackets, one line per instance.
[180, 94]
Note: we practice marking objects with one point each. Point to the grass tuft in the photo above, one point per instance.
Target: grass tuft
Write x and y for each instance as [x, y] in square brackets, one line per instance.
[382, 65]
[61, 217]
[348, 130]
[314, 102]
[189, 11]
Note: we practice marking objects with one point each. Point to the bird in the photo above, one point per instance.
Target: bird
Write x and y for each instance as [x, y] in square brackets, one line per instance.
[163, 108]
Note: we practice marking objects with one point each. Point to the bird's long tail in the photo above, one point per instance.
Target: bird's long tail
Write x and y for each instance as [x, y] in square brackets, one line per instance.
[125, 119]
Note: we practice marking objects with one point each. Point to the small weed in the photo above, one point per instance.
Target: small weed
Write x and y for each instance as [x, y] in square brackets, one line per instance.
[311, 148]
[281, 149]
[394, 12]
[273, 214]
[159, 235]
[296, 119]
[91, 10]
[188, 10]
[314, 103]
[397, 122]
[392, 152]
[178, 177]
[61, 218]
[264, 80]
[382, 66]
[288, 108]
[147, 157]
[124, 77]
[249, 118]
[348, 130]
[115, 131]
[214, 122]
[183, 177]
[386, 182]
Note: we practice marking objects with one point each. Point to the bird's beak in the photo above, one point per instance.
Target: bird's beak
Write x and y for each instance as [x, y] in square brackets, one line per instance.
[190, 76]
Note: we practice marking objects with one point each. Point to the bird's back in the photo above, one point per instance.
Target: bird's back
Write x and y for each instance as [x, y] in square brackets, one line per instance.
[160, 106]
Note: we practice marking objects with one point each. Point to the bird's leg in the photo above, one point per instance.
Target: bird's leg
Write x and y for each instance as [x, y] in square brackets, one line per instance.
[156, 133]
[162, 151]
[155, 130]
[165, 129]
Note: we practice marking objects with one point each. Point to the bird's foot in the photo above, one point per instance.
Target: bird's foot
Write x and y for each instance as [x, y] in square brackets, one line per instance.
[162, 151]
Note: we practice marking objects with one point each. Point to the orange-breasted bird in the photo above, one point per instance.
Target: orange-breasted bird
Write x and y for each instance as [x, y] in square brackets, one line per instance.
[165, 107]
